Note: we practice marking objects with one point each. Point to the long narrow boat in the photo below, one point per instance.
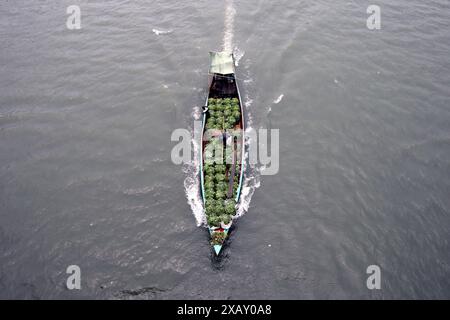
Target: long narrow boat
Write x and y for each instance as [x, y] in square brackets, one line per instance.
[222, 157]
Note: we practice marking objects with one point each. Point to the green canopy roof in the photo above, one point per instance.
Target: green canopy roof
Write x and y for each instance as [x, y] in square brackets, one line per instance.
[221, 62]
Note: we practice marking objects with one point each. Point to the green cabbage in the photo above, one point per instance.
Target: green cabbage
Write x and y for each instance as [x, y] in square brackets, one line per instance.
[220, 195]
[219, 177]
[230, 207]
[225, 218]
[213, 221]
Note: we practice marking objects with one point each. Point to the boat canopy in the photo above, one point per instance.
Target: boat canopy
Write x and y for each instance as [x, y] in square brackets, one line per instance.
[221, 62]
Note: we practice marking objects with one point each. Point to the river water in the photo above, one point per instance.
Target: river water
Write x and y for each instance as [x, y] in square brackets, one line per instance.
[86, 176]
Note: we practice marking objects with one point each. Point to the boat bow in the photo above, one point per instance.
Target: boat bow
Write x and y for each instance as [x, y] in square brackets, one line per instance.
[218, 236]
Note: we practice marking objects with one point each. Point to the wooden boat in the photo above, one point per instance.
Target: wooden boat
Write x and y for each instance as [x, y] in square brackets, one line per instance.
[222, 157]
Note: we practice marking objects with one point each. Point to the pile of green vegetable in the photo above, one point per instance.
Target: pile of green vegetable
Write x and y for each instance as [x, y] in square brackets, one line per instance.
[218, 207]
[223, 113]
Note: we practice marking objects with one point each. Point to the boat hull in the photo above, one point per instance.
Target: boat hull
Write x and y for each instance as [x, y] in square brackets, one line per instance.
[223, 88]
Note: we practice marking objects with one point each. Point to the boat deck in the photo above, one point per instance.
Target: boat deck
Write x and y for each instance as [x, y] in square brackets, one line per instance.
[223, 86]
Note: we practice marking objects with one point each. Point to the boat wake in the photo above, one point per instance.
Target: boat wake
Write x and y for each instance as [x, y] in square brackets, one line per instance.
[192, 171]
[238, 54]
[228, 34]
[252, 174]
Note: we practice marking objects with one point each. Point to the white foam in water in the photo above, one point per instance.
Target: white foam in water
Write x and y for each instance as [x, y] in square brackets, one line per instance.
[252, 175]
[228, 34]
[192, 190]
[192, 181]
[238, 54]
[278, 100]
[159, 32]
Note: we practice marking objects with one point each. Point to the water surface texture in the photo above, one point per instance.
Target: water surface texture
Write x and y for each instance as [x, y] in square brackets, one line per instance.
[86, 177]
